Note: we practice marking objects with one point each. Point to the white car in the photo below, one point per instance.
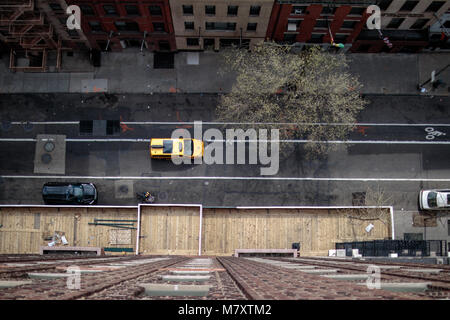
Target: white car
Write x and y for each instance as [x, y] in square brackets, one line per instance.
[436, 199]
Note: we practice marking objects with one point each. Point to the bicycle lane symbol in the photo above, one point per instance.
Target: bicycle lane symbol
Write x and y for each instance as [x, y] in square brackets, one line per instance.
[431, 133]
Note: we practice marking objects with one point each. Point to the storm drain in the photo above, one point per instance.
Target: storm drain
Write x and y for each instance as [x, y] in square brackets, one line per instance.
[11, 284]
[176, 290]
[403, 286]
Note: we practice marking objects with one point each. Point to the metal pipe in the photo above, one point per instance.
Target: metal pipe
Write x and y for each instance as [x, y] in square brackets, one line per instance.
[143, 40]
[95, 219]
[109, 39]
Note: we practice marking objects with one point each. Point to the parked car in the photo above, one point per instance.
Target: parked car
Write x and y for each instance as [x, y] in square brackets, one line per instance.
[436, 199]
[69, 193]
[165, 148]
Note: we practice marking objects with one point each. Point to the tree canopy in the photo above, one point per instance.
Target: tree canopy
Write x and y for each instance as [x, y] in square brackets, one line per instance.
[274, 84]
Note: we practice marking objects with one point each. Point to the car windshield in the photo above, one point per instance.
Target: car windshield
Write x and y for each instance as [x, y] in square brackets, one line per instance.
[188, 147]
[432, 199]
[77, 192]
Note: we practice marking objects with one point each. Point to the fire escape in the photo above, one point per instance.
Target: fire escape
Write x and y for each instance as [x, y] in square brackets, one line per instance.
[28, 34]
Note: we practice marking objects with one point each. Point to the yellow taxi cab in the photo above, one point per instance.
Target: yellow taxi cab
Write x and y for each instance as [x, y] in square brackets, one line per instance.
[165, 148]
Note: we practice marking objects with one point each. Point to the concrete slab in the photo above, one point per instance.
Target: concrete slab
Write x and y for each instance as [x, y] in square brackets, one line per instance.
[299, 267]
[175, 290]
[403, 286]
[185, 278]
[319, 271]
[19, 264]
[94, 85]
[11, 284]
[48, 276]
[388, 267]
[349, 277]
[189, 272]
[50, 154]
[435, 271]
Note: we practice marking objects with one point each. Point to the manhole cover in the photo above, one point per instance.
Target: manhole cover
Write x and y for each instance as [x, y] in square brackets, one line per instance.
[46, 158]
[162, 195]
[123, 189]
[6, 125]
[49, 146]
[28, 126]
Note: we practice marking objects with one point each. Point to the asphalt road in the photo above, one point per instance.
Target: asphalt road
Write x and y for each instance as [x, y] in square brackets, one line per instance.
[401, 145]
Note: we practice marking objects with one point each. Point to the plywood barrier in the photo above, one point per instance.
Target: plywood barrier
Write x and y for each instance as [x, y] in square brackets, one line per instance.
[25, 229]
[175, 229]
[170, 230]
[225, 230]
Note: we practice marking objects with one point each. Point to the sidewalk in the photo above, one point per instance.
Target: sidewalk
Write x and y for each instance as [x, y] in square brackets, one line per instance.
[133, 72]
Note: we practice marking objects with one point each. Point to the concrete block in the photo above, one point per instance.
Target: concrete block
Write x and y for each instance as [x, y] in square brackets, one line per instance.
[340, 253]
[332, 253]
[319, 271]
[11, 284]
[403, 286]
[175, 290]
[46, 160]
[393, 255]
[185, 278]
[189, 272]
[48, 276]
[349, 277]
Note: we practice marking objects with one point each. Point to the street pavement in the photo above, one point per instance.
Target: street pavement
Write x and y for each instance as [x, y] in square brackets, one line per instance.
[393, 148]
[131, 71]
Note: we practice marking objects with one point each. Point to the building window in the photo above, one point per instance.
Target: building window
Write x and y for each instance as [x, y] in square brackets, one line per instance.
[155, 10]
[340, 38]
[289, 37]
[158, 26]
[316, 38]
[395, 23]
[221, 26]
[435, 6]
[95, 26]
[349, 24]
[321, 24]
[189, 25]
[210, 10]
[298, 10]
[251, 26]
[255, 10]
[110, 10]
[126, 26]
[384, 4]
[132, 10]
[419, 24]
[192, 41]
[188, 9]
[232, 10]
[328, 10]
[357, 11]
[55, 7]
[409, 5]
[87, 10]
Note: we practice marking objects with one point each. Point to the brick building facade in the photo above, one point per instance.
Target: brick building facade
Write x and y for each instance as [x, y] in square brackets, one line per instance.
[119, 24]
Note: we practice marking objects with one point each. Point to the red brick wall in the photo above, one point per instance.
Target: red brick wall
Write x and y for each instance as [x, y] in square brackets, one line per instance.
[144, 21]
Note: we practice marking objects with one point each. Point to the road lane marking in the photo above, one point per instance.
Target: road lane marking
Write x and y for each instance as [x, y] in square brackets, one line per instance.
[430, 142]
[227, 178]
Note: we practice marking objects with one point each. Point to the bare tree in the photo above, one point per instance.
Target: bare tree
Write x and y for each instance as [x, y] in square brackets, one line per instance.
[276, 85]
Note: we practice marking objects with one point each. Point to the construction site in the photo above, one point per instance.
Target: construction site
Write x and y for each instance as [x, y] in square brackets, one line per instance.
[155, 251]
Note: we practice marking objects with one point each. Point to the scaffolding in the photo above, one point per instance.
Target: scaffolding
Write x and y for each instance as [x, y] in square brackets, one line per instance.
[29, 35]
